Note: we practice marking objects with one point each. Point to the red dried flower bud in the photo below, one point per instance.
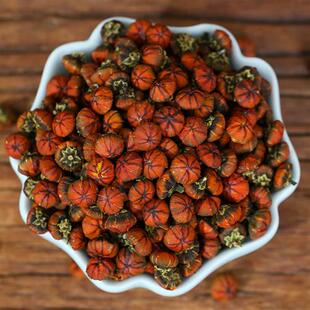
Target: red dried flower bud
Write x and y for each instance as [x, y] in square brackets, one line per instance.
[130, 263]
[224, 287]
[259, 223]
[45, 194]
[210, 248]
[109, 145]
[185, 168]
[16, 145]
[156, 213]
[102, 247]
[179, 237]
[77, 239]
[128, 167]
[194, 132]
[283, 176]
[83, 193]
[111, 200]
[181, 207]
[92, 228]
[100, 268]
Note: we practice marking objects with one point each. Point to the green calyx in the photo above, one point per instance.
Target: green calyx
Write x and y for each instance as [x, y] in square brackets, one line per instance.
[230, 83]
[78, 56]
[149, 229]
[124, 240]
[3, 116]
[27, 158]
[274, 152]
[152, 230]
[179, 188]
[232, 80]
[127, 243]
[185, 42]
[209, 121]
[258, 179]
[189, 255]
[29, 186]
[132, 59]
[108, 63]
[201, 184]
[39, 219]
[64, 227]
[120, 85]
[96, 211]
[170, 278]
[75, 59]
[262, 179]
[289, 181]
[176, 188]
[141, 178]
[130, 93]
[248, 174]
[39, 123]
[245, 74]
[234, 239]
[218, 60]
[164, 271]
[29, 124]
[120, 216]
[70, 158]
[214, 44]
[111, 29]
[60, 107]
[289, 178]
[223, 209]
[166, 60]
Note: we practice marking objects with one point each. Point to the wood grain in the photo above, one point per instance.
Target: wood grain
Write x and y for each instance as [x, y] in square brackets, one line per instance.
[34, 274]
[291, 38]
[257, 10]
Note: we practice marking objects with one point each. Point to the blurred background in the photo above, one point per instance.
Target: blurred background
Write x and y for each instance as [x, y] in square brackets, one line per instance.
[36, 275]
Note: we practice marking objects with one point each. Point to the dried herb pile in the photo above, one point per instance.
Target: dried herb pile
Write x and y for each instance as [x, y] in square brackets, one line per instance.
[152, 153]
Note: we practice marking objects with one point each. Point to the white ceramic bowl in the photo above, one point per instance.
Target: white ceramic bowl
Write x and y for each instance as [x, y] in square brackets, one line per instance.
[53, 66]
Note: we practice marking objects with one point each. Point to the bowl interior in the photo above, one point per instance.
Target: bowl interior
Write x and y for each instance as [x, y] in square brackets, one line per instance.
[53, 66]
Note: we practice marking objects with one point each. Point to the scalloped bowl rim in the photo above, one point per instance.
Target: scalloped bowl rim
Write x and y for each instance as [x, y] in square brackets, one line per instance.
[53, 66]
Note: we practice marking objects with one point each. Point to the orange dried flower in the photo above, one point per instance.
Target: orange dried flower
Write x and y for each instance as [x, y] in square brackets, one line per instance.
[111, 200]
[155, 162]
[170, 119]
[181, 208]
[45, 194]
[194, 132]
[17, 145]
[185, 168]
[180, 237]
[158, 34]
[141, 192]
[128, 167]
[224, 287]
[83, 193]
[100, 268]
[236, 188]
[109, 145]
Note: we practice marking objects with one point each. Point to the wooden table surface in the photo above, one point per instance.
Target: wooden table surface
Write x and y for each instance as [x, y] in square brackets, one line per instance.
[34, 274]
